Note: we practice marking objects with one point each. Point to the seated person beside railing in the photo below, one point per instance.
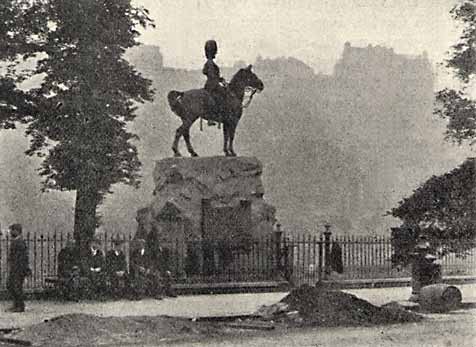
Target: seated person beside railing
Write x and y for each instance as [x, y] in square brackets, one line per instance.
[146, 279]
[161, 260]
[69, 277]
[163, 263]
[68, 257]
[116, 269]
[94, 270]
[143, 281]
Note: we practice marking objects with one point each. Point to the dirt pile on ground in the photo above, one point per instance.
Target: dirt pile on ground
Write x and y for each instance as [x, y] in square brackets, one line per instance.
[90, 330]
[318, 306]
[305, 306]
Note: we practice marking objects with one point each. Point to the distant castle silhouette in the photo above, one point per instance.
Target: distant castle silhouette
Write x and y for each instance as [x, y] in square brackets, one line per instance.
[380, 63]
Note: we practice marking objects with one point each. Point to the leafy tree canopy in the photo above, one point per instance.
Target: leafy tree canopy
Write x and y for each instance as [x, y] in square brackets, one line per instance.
[20, 22]
[444, 207]
[457, 106]
[88, 95]
[463, 58]
[77, 119]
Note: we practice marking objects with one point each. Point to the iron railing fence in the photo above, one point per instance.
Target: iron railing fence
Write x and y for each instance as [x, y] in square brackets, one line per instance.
[362, 257]
[298, 259]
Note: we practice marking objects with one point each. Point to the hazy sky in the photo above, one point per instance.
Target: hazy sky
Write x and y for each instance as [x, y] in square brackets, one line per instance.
[312, 30]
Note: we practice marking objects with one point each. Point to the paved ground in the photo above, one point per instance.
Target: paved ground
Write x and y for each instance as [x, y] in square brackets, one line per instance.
[183, 306]
[186, 306]
[456, 329]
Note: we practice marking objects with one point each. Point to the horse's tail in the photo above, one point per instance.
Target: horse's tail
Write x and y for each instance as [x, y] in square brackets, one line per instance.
[174, 100]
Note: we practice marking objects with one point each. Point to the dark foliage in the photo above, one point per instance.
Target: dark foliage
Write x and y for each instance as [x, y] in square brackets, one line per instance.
[88, 95]
[444, 208]
[460, 112]
[463, 58]
[456, 106]
[20, 23]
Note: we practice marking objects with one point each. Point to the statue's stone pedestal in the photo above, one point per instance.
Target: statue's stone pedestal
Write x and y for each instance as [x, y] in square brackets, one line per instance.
[201, 200]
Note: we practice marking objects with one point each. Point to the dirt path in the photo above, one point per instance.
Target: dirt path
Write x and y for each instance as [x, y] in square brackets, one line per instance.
[185, 306]
[456, 329]
[141, 324]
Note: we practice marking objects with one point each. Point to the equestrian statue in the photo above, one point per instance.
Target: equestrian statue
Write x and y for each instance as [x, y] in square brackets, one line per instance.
[216, 102]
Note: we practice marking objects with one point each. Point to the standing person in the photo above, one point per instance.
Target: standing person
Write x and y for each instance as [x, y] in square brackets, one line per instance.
[336, 258]
[213, 85]
[116, 268]
[18, 268]
[425, 270]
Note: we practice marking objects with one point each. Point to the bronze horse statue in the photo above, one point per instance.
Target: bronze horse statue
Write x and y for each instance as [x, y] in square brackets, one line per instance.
[197, 103]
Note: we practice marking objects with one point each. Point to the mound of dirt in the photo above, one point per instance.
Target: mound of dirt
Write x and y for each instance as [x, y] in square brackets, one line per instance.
[304, 306]
[90, 330]
[319, 306]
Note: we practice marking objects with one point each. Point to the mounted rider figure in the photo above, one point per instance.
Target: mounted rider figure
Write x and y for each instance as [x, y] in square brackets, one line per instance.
[215, 83]
[222, 104]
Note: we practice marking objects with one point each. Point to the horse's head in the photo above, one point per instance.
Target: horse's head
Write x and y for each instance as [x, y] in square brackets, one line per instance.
[249, 79]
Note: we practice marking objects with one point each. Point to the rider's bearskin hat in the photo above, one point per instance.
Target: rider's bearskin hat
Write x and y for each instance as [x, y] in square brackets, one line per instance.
[211, 48]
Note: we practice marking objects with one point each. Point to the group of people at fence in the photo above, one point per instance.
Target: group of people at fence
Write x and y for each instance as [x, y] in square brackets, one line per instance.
[91, 274]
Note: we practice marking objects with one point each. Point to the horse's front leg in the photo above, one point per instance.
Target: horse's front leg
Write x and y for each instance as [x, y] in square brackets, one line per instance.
[186, 136]
[225, 138]
[178, 134]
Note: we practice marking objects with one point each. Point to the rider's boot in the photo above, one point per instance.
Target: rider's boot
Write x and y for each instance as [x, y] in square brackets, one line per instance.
[217, 115]
[217, 109]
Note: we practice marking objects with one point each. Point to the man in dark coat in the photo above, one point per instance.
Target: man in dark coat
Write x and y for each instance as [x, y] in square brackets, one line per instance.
[425, 270]
[116, 268]
[94, 269]
[18, 268]
[336, 258]
[142, 280]
[69, 265]
[145, 273]
[161, 262]
[68, 258]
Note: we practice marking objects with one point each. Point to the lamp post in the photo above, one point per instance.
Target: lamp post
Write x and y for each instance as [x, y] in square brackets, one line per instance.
[277, 241]
[327, 250]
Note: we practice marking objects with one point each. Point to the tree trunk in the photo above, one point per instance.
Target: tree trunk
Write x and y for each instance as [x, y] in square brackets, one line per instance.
[87, 199]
